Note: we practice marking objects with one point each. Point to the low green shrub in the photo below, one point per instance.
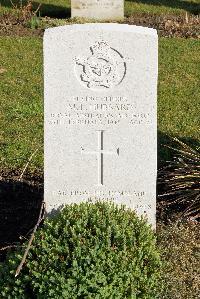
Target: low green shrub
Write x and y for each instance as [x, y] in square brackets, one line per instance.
[87, 251]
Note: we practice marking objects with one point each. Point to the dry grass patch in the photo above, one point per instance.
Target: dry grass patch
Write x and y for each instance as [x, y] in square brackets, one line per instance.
[180, 247]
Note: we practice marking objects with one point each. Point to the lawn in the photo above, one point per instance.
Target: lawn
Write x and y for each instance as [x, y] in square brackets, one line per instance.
[61, 8]
[21, 96]
[21, 93]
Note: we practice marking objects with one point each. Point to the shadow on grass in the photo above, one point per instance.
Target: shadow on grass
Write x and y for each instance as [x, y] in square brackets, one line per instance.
[49, 10]
[165, 141]
[189, 6]
[20, 205]
[53, 11]
[58, 11]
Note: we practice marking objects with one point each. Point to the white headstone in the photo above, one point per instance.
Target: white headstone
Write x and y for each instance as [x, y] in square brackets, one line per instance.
[98, 9]
[100, 115]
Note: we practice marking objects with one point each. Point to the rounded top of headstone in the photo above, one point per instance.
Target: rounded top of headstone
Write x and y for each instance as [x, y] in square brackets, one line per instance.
[102, 26]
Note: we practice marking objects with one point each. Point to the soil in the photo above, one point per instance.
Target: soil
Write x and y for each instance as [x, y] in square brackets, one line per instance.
[169, 25]
[187, 26]
[11, 25]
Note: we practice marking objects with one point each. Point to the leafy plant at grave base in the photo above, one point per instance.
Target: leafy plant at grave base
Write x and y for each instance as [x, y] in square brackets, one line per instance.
[87, 251]
[26, 13]
[181, 181]
[34, 22]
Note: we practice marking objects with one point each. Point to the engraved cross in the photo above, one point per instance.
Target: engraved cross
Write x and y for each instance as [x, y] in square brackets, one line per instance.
[100, 153]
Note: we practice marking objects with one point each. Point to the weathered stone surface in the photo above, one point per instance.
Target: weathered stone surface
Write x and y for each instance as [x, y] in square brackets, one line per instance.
[98, 9]
[100, 115]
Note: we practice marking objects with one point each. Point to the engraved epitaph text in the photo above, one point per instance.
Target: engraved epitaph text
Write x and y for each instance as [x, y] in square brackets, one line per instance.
[98, 9]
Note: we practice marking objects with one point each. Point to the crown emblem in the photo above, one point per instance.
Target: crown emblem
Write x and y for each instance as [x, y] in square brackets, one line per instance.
[100, 48]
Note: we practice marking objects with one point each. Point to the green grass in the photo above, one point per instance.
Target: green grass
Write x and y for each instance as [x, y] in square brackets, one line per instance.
[21, 94]
[61, 8]
[161, 6]
[179, 91]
